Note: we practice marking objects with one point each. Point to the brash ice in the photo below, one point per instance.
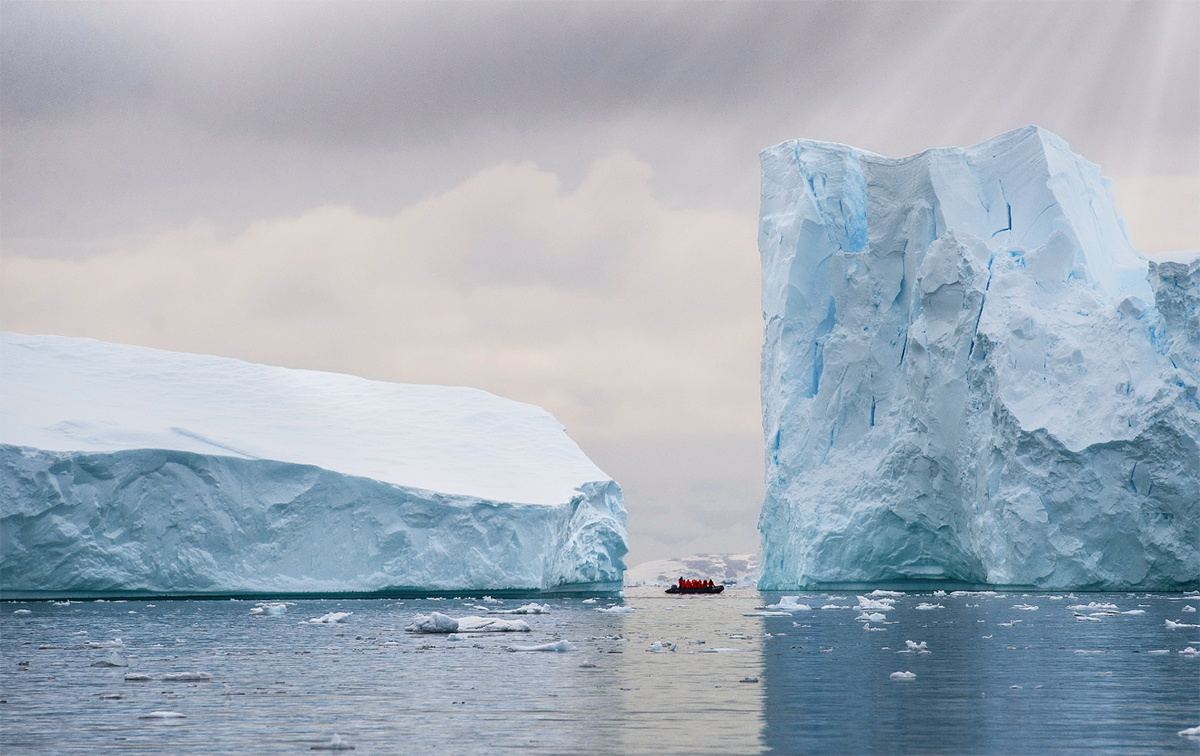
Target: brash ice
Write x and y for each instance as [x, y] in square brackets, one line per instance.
[132, 470]
[969, 374]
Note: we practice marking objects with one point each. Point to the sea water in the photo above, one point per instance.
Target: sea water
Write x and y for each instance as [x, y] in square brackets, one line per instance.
[677, 675]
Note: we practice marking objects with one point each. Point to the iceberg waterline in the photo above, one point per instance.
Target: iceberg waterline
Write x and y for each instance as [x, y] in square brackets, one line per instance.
[969, 374]
[132, 470]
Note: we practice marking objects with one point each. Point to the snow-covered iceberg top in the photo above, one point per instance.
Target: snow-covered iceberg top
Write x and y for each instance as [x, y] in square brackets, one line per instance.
[969, 374]
[133, 469]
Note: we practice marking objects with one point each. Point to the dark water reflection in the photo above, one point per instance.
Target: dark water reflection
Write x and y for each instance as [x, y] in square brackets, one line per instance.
[986, 687]
[280, 685]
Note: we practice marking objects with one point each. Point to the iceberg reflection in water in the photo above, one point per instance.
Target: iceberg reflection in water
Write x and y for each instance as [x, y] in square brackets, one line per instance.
[680, 675]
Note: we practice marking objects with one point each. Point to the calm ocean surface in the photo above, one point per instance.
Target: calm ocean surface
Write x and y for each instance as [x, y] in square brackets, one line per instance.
[998, 679]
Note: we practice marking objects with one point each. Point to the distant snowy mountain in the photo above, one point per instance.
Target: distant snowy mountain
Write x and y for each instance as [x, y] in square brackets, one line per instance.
[740, 570]
[124, 469]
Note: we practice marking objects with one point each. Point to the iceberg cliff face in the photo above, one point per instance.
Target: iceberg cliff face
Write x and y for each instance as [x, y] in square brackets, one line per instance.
[969, 374]
[126, 470]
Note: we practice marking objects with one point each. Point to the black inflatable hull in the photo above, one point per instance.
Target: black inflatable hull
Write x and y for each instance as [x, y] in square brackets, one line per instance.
[706, 589]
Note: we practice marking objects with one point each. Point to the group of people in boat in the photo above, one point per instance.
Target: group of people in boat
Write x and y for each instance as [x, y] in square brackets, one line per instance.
[685, 583]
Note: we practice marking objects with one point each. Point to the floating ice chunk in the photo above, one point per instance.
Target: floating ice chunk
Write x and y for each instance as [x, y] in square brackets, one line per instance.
[939, 593]
[162, 715]
[1093, 607]
[433, 623]
[137, 677]
[657, 648]
[590, 601]
[187, 677]
[1014, 687]
[1085, 618]
[912, 647]
[1179, 623]
[871, 617]
[1104, 674]
[1191, 732]
[1159, 652]
[330, 619]
[336, 744]
[491, 625]
[766, 614]
[1189, 651]
[879, 592]
[926, 607]
[273, 609]
[1188, 609]
[834, 606]
[869, 604]
[788, 604]
[490, 600]
[526, 609]
[112, 660]
[616, 610]
[874, 629]
[561, 646]
[1082, 651]
[22, 611]
[1135, 611]
[903, 675]
[721, 650]
[1025, 607]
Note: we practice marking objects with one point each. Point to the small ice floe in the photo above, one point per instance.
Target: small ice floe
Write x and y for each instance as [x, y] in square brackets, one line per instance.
[926, 607]
[1188, 608]
[939, 593]
[336, 744]
[110, 696]
[138, 677]
[1160, 652]
[912, 647]
[878, 592]
[766, 614]
[22, 611]
[114, 643]
[616, 610]
[1135, 611]
[987, 637]
[870, 629]
[587, 664]
[490, 600]
[834, 606]
[1189, 652]
[1191, 732]
[871, 617]
[62, 603]
[867, 604]
[112, 660]
[162, 715]
[1025, 607]
[187, 677]
[561, 647]
[1086, 618]
[658, 647]
[788, 604]
[1093, 607]
[1179, 623]
[1010, 623]
[903, 675]
[721, 650]
[527, 609]
[825, 650]
[1014, 687]
[590, 601]
[332, 618]
[1082, 651]
[269, 609]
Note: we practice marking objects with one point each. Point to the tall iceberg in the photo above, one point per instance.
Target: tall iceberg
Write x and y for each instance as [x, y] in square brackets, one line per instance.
[126, 470]
[969, 374]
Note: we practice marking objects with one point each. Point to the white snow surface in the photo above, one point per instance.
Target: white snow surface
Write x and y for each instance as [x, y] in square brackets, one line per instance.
[131, 469]
[969, 374]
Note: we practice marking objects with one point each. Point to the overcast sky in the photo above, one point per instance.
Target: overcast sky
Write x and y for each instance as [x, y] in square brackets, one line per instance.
[555, 202]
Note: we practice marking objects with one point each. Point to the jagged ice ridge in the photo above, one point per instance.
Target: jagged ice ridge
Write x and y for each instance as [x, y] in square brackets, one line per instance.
[969, 374]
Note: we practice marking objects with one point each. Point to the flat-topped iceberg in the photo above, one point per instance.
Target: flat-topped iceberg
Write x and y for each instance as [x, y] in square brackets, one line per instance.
[131, 470]
[969, 374]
